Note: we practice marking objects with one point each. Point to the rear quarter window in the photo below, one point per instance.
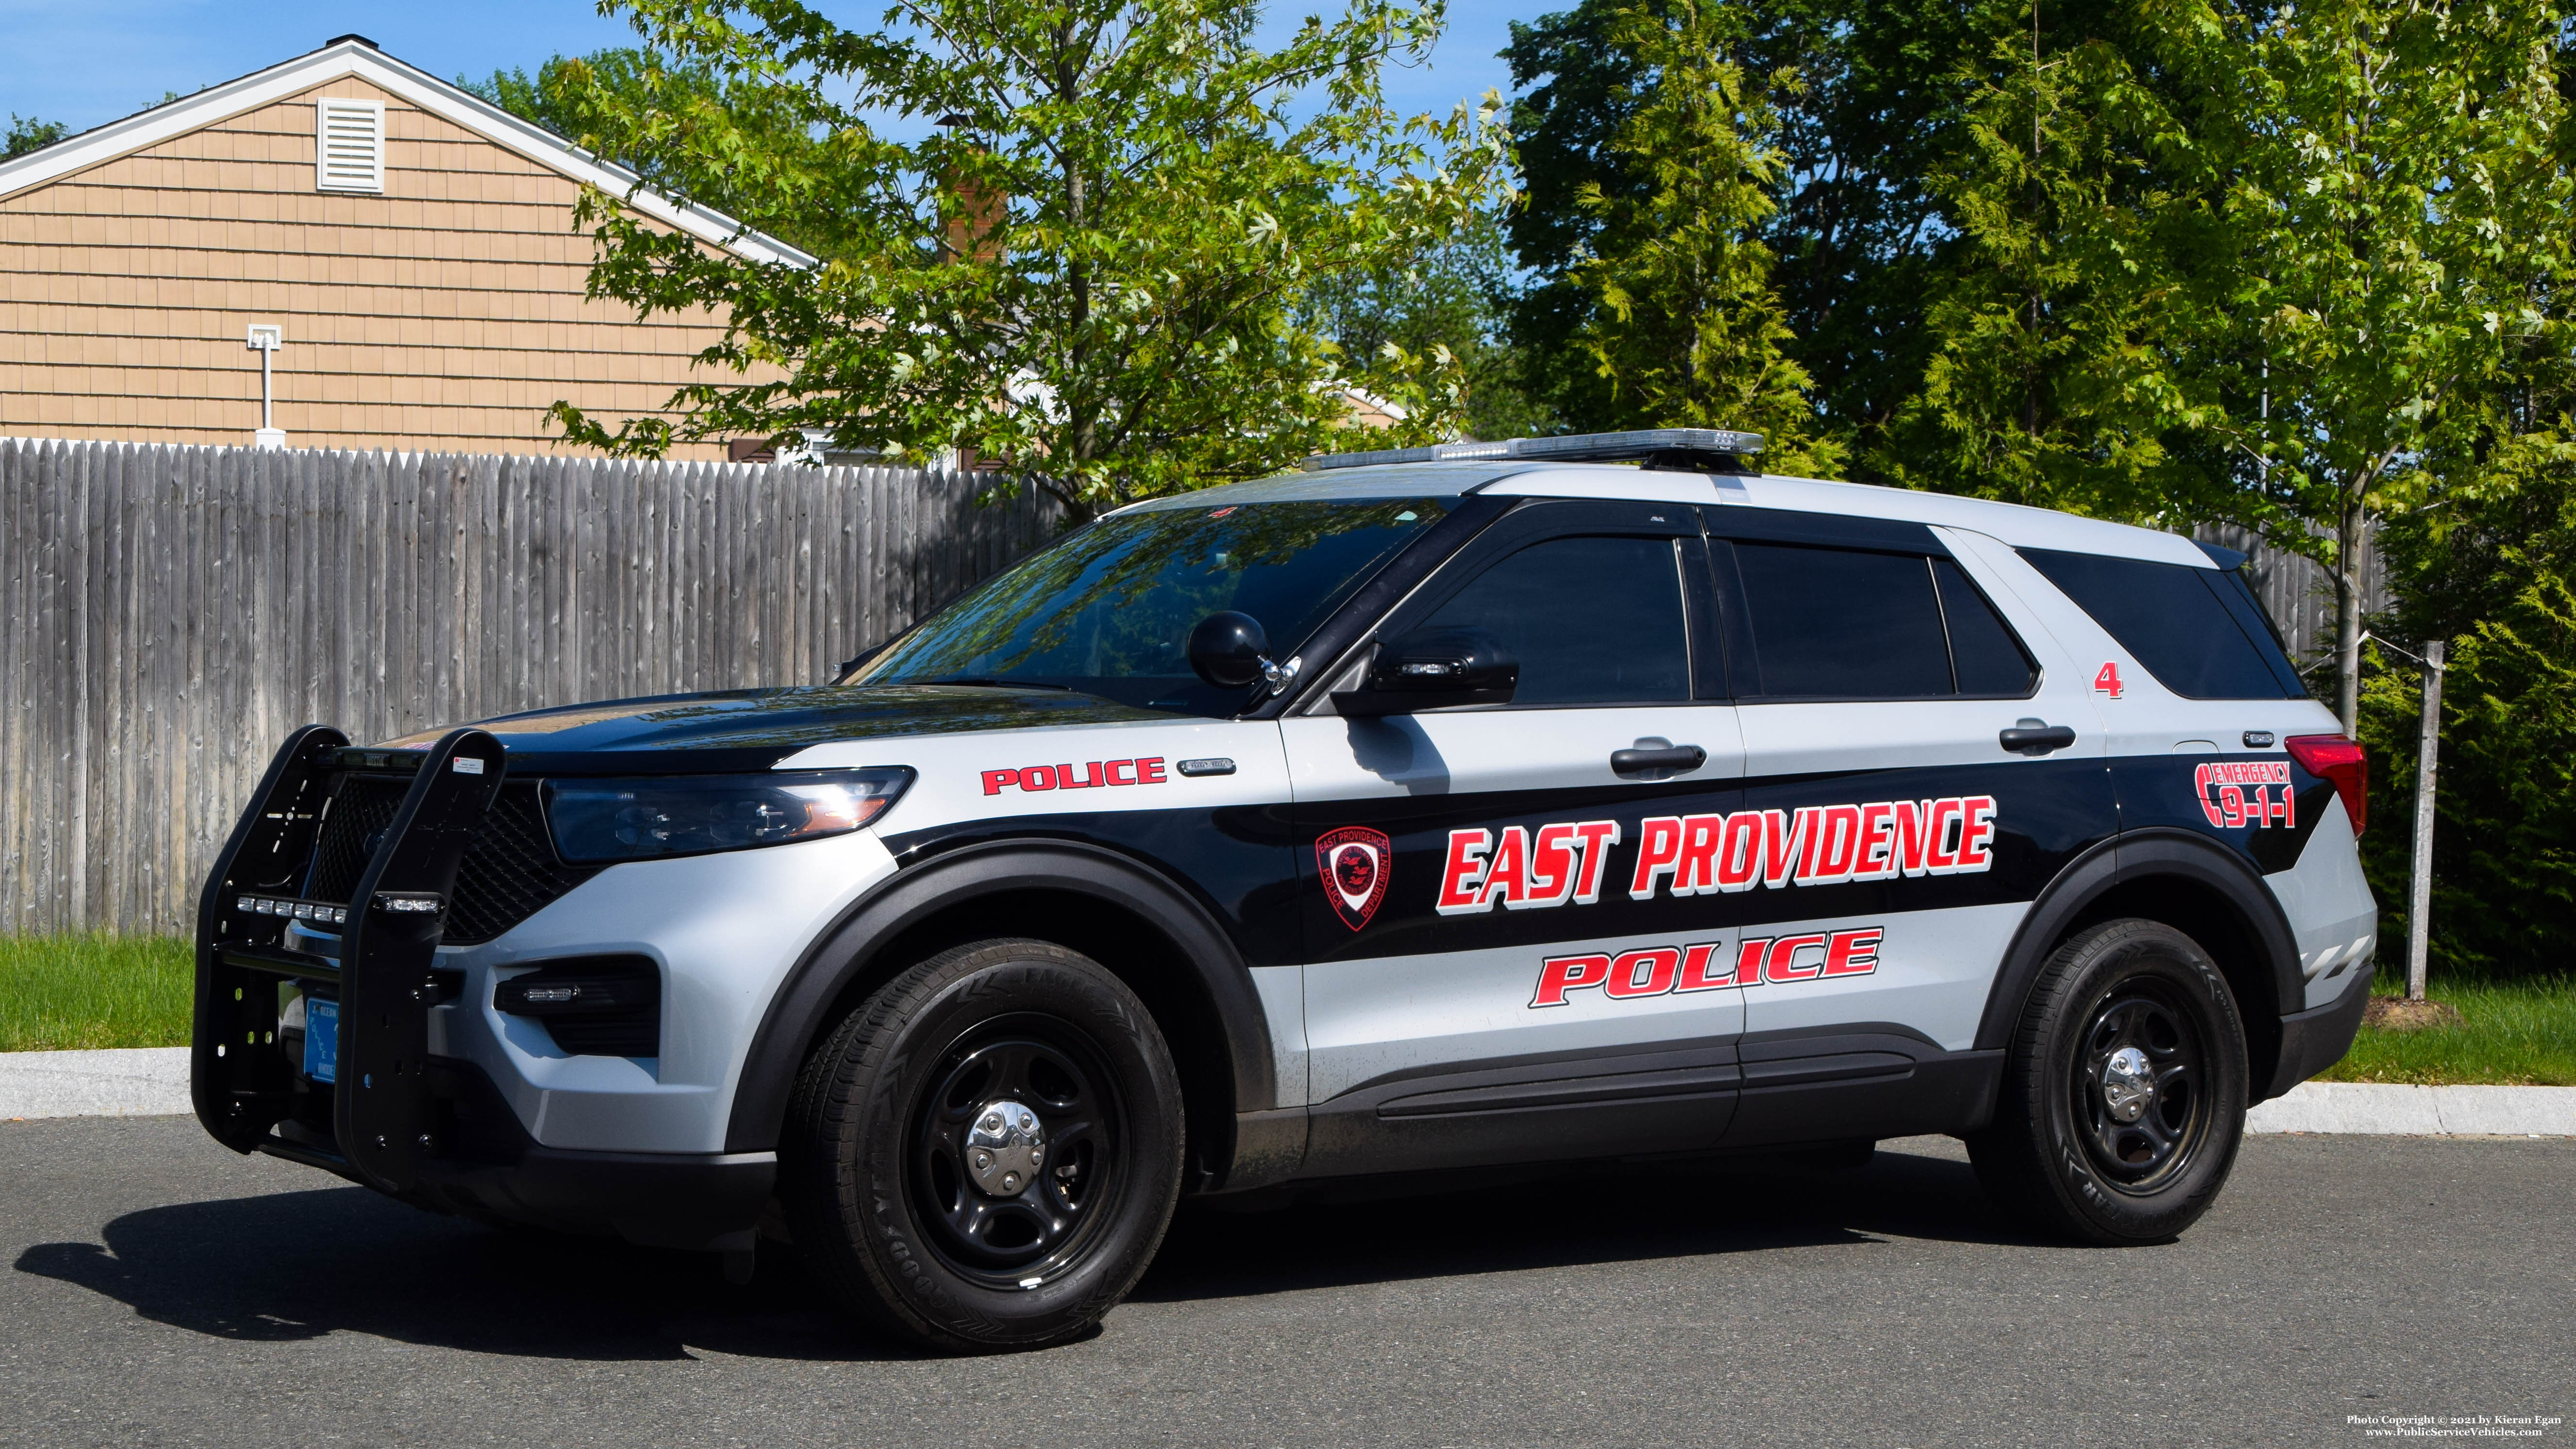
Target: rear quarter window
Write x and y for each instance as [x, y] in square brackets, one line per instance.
[2186, 625]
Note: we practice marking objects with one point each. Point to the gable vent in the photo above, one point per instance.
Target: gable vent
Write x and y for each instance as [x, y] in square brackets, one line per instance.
[349, 145]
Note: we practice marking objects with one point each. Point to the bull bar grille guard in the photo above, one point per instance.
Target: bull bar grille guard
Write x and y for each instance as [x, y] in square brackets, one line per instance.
[384, 1112]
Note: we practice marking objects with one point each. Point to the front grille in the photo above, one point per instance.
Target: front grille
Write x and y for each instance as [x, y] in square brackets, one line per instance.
[508, 874]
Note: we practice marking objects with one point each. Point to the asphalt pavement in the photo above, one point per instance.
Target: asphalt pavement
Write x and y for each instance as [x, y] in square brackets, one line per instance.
[164, 1291]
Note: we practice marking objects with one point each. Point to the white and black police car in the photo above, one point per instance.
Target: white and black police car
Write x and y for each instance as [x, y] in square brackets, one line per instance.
[1463, 807]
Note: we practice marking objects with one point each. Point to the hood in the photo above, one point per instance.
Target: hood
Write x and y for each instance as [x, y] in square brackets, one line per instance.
[752, 729]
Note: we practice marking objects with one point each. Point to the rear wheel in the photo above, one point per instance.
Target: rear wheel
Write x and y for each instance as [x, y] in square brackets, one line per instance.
[986, 1153]
[2124, 1089]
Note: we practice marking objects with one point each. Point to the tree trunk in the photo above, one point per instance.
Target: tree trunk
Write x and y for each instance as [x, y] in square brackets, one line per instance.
[2348, 573]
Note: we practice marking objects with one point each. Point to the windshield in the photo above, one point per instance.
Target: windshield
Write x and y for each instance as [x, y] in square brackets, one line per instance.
[1108, 611]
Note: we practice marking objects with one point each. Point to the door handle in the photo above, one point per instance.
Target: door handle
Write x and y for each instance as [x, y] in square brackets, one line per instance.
[1656, 760]
[2036, 737]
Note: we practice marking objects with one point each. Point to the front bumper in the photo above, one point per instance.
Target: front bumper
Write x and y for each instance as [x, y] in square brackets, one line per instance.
[442, 1099]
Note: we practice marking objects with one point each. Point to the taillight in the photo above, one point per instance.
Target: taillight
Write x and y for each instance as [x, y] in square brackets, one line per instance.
[2339, 762]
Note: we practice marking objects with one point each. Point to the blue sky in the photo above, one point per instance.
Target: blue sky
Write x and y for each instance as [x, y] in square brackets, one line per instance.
[90, 61]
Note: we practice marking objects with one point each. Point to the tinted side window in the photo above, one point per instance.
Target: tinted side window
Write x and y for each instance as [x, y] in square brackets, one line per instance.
[1988, 658]
[1834, 624]
[2172, 617]
[1592, 620]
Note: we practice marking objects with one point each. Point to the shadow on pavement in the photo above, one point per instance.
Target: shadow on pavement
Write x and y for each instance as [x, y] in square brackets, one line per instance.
[1625, 1214]
[300, 1265]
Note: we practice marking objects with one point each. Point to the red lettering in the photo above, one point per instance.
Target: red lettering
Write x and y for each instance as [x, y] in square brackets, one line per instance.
[1507, 879]
[1598, 837]
[1839, 852]
[2201, 777]
[1781, 966]
[1783, 838]
[2285, 809]
[1877, 842]
[1940, 856]
[1464, 871]
[1552, 865]
[1562, 974]
[1659, 848]
[1696, 961]
[1117, 765]
[996, 781]
[1852, 953]
[1977, 833]
[1037, 777]
[1748, 960]
[1642, 973]
[1740, 859]
[2231, 803]
[1700, 837]
[1064, 777]
[1912, 838]
[1150, 772]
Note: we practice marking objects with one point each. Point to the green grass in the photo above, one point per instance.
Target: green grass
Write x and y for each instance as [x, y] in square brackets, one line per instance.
[2511, 1033]
[63, 993]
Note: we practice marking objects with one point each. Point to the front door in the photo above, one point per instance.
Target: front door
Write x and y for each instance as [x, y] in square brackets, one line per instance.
[1491, 974]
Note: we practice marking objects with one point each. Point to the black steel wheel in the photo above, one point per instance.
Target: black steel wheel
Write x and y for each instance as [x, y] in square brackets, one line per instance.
[2124, 1090]
[986, 1153]
[1016, 1150]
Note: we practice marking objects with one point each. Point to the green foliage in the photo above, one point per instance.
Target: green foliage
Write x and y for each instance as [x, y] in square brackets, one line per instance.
[1448, 299]
[1682, 323]
[639, 110]
[79, 993]
[2063, 334]
[26, 133]
[2497, 578]
[1096, 271]
[2390, 205]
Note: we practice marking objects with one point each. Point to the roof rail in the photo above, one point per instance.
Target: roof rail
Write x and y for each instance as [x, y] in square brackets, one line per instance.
[1693, 449]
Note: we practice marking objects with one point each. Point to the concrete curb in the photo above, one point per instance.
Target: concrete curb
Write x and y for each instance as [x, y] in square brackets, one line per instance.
[2419, 1111]
[153, 1082]
[129, 1082]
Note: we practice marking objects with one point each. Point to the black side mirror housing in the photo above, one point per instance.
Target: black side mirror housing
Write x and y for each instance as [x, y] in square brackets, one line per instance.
[1228, 649]
[1434, 669]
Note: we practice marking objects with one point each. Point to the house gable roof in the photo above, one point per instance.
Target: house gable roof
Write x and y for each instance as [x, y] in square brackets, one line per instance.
[351, 56]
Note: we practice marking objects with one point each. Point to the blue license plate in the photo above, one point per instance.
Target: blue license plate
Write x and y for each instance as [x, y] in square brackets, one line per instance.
[321, 1039]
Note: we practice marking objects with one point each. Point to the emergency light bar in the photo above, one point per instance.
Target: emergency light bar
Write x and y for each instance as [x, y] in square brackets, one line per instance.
[1573, 448]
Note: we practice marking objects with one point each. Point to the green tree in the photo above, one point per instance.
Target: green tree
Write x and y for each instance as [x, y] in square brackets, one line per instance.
[2391, 206]
[26, 133]
[2064, 328]
[1683, 323]
[1449, 299]
[1091, 266]
[643, 111]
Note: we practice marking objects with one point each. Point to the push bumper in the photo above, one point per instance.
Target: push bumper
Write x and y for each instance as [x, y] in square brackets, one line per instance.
[2316, 1039]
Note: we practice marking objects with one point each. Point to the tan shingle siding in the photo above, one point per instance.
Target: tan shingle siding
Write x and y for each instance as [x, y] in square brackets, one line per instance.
[445, 314]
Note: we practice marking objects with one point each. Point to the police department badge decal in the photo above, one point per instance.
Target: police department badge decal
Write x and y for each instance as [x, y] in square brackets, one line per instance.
[1355, 862]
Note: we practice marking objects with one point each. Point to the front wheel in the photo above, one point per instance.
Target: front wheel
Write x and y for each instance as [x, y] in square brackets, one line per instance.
[2124, 1089]
[986, 1153]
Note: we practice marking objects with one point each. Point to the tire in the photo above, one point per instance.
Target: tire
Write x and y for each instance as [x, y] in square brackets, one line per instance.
[878, 1176]
[2075, 1145]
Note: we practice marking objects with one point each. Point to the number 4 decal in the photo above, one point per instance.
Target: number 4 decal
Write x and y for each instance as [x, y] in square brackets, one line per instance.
[2108, 681]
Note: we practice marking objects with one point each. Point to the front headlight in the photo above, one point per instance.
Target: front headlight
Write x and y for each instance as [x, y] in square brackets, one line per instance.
[640, 819]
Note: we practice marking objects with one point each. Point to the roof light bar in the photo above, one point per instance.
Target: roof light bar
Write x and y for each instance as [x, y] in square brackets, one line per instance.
[1573, 448]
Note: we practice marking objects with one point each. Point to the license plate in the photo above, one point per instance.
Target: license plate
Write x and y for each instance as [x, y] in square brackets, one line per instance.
[321, 1039]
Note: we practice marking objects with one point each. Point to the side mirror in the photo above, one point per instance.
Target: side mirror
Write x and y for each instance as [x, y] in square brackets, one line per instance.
[1229, 649]
[1433, 669]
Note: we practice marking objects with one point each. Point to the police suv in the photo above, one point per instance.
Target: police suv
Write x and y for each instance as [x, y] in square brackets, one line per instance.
[1469, 806]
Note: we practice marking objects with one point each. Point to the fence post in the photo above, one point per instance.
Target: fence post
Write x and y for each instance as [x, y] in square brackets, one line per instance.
[2419, 907]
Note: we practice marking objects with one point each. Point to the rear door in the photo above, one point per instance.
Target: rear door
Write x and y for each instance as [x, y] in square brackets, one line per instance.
[1918, 766]
[1483, 982]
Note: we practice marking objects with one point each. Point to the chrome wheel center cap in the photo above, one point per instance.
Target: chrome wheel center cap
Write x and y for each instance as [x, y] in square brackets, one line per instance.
[1005, 1148]
[2127, 1086]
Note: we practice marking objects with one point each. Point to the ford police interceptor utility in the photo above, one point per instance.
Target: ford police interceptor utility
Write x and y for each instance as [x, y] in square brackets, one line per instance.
[1467, 806]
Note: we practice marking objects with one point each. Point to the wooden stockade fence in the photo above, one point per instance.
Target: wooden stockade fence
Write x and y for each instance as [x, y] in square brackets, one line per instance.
[172, 612]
